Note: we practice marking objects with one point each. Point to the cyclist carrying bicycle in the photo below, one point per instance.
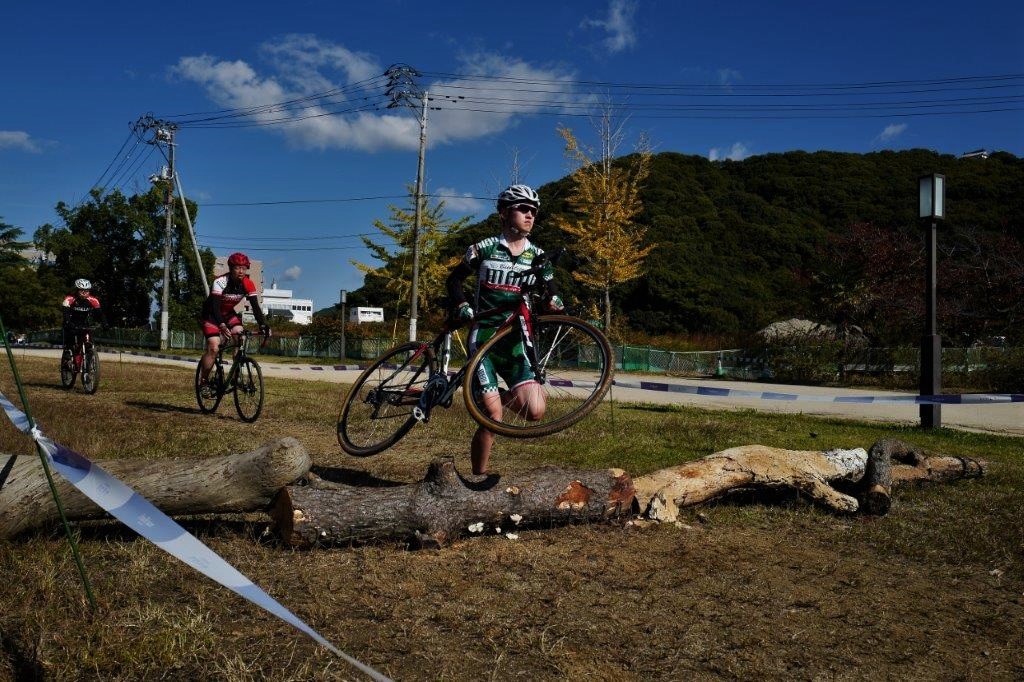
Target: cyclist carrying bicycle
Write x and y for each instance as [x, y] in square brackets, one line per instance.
[497, 262]
[219, 317]
[81, 311]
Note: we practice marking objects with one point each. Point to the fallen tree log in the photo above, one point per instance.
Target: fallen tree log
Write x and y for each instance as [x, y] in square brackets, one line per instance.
[914, 465]
[444, 505]
[818, 475]
[230, 484]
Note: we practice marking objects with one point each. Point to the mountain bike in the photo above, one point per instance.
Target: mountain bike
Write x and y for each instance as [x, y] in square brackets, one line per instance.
[243, 378]
[80, 357]
[570, 359]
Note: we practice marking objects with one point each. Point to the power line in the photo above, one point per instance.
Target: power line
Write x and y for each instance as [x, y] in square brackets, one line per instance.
[261, 108]
[99, 180]
[644, 86]
[397, 85]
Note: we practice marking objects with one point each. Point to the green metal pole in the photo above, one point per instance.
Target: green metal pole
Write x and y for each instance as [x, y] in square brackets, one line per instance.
[49, 475]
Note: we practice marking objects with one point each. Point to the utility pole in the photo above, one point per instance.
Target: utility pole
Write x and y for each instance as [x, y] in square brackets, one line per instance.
[167, 136]
[403, 91]
[418, 223]
[163, 135]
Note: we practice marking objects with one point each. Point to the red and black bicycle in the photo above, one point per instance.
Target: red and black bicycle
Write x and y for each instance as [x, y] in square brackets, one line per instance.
[80, 357]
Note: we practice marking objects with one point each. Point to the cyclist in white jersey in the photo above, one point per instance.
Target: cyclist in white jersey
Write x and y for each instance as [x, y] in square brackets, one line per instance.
[496, 261]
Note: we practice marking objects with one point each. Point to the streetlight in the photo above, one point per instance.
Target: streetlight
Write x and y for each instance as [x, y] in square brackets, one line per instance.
[343, 298]
[931, 208]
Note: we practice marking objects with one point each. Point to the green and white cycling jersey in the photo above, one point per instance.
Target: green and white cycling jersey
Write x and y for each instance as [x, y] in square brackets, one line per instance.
[498, 274]
[499, 282]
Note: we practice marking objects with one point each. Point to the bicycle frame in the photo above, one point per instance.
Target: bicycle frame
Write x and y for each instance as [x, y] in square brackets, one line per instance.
[239, 352]
[81, 341]
[440, 388]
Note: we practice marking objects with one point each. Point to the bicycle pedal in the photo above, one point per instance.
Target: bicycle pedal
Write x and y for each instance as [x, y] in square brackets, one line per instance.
[420, 415]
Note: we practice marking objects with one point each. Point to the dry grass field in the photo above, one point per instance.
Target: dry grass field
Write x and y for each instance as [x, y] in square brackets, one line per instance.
[743, 589]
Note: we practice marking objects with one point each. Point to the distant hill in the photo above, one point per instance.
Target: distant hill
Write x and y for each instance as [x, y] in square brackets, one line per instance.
[739, 241]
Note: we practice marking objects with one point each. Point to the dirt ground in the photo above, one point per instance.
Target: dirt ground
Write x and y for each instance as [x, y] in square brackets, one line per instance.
[741, 589]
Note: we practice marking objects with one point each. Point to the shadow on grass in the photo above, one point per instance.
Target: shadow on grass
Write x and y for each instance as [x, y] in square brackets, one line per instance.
[363, 479]
[164, 407]
[353, 477]
[55, 385]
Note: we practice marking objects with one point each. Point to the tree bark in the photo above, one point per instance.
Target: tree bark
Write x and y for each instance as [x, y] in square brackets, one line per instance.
[913, 465]
[234, 483]
[661, 494]
[444, 505]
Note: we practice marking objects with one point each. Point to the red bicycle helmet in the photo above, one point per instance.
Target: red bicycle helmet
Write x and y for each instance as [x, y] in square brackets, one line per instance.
[238, 259]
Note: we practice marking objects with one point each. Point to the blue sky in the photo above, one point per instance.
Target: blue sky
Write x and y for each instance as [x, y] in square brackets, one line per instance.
[74, 77]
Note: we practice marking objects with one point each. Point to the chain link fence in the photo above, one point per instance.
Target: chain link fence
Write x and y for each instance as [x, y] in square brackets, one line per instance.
[988, 368]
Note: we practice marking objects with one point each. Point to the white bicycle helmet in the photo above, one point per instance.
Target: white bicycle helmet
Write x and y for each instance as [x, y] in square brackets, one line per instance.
[83, 284]
[518, 194]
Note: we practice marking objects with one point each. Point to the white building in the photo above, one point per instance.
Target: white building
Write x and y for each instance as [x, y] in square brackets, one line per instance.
[360, 315]
[279, 303]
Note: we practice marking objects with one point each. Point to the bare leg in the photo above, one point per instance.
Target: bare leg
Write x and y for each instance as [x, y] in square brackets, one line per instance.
[483, 440]
[527, 400]
[212, 347]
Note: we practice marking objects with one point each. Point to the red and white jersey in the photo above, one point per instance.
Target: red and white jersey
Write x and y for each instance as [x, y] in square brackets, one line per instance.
[79, 311]
[84, 305]
[227, 293]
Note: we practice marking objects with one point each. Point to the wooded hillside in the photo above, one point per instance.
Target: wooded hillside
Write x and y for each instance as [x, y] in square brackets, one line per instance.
[827, 235]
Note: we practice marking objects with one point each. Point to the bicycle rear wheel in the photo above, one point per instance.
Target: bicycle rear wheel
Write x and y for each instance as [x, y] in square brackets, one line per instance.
[377, 410]
[91, 371]
[249, 390]
[575, 371]
[208, 395]
[67, 369]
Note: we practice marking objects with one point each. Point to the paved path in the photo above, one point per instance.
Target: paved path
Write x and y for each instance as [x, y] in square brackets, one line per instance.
[1005, 418]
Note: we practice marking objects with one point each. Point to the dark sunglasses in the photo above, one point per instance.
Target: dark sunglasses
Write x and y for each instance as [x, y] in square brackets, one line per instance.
[524, 208]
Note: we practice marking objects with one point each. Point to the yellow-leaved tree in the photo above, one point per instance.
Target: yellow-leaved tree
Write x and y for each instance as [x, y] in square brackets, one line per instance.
[396, 258]
[605, 200]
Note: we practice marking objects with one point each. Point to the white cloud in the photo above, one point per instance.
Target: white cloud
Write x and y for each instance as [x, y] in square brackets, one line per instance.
[727, 76]
[737, 152]
[18, 139]
[455, 121]
[619, 25]
[303, 65]
[890, 133]
[291, 274]
[460, 202]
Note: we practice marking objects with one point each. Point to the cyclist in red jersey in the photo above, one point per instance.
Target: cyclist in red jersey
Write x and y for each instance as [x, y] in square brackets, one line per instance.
[81, 311]
[219, 317]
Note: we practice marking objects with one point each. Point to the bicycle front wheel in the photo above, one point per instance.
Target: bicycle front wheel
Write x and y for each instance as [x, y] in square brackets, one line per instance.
[377, 410]
[249, 390]
[91, 371]
[574, 372]
[67, 369]
[208, 395]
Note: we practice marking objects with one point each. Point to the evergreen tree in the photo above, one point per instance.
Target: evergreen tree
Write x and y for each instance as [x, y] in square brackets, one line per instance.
[393, 278]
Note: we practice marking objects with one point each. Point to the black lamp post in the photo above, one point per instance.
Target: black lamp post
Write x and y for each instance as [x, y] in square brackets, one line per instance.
[932, 208]
[343, 292]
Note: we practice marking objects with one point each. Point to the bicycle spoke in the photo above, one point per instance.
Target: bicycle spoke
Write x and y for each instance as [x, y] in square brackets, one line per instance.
[573, 373]
[377, 410]
[248, 387]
